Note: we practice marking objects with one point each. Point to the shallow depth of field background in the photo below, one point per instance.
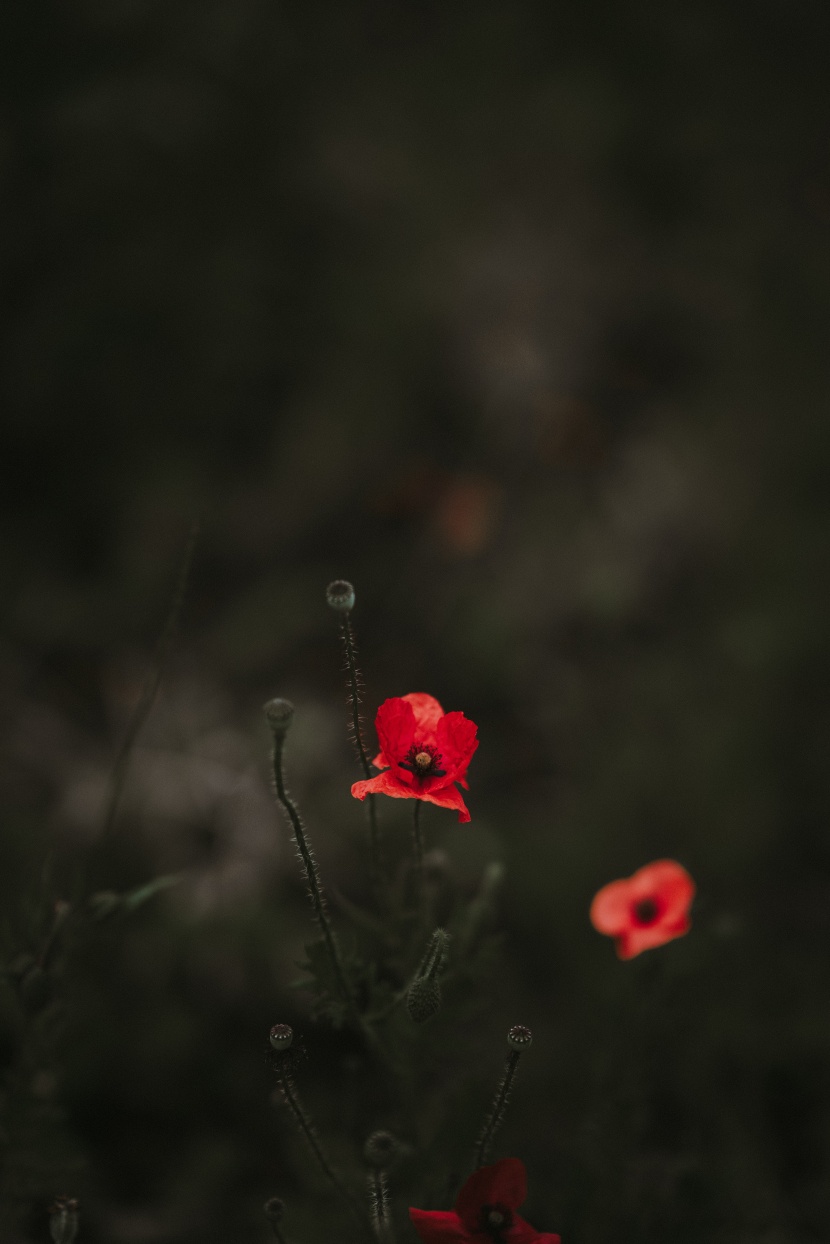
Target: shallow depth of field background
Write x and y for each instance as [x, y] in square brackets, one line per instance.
[515, 314]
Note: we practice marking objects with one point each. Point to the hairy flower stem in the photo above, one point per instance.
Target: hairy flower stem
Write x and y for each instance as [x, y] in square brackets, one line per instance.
[418, 850]
[354, 700]
[278, 1235]
[318, 902]
[379, 1197]
[303, 1122]
[312, 877]
[497, 1110]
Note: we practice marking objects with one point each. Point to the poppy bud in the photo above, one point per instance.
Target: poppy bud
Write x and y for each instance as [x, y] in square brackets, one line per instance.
[340, 596]
[423, 999]
[281, 1036]
[63, 1224]
[278, 714]
[381, 1149]
[274, 1209]
[519, 1038]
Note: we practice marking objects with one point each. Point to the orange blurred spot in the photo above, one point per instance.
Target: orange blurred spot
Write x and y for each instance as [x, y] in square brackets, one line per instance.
[467, 514]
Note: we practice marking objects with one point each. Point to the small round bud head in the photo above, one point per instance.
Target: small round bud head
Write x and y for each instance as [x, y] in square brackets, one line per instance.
[340, 596]
[274, 1209]
[281, 1036]
[381, 1149]
[423, 999]
[519, 1038]
[278, 714]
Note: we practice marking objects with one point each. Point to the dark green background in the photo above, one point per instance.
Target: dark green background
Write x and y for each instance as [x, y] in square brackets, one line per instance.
[516, 315]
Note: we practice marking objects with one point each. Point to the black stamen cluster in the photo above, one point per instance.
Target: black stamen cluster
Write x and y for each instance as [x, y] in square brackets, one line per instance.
[496, 1221]
[432, 770]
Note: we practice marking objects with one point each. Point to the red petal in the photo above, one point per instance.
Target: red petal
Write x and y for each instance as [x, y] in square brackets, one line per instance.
[447, 797]
[635, 940]
[521, 1232]
[428, 712]
[395, 724]
[386, 783]
[435, 1226]
[668, 881]
[611, 908]
[457, 742]
[380, 761]
[504, 1183]
[664, 881]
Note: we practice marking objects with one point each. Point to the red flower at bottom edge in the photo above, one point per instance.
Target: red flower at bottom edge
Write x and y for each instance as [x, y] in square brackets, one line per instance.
[645, 910]
[485, 1211]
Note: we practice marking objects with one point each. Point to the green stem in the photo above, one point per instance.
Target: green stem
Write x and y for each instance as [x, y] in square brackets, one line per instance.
[312, 877]
[418, 849]
[354, 699]
[496, 1115]
[318, 902]
[381, 1219]
[304, 1123]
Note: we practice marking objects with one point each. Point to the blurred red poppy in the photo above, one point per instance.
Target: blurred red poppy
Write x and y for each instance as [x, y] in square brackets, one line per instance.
[423, 751]
[645, 910]
[485, 1211]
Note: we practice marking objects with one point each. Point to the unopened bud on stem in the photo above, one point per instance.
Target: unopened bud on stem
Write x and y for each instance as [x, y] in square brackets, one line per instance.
[423, 998]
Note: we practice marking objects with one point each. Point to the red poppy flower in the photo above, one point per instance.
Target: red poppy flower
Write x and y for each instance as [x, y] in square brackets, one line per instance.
[485, 1211]
[645, 910]
[423, 752]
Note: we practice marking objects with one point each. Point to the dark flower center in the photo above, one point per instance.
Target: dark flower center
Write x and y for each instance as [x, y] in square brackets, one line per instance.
[646, 911]
[495, 1221]
[423, 761]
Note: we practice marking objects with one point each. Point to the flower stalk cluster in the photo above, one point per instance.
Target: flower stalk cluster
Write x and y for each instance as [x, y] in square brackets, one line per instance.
[424, 755]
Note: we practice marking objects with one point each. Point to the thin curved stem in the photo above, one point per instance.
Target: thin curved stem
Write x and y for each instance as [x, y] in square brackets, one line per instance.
[312, 877]
[304, 1123]
[363, 755]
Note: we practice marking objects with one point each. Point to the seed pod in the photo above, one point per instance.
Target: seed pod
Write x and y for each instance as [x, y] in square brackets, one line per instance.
[281, 1036]
[274, 1209]
[519, 1038]
[278, 714]
[340, 596]
[423, 999]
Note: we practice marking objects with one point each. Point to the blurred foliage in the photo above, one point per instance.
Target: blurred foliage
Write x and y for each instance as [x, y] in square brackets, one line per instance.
[515, 315]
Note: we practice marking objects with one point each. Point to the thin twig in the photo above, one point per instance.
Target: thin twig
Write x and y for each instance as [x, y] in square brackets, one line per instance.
[150, 689]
